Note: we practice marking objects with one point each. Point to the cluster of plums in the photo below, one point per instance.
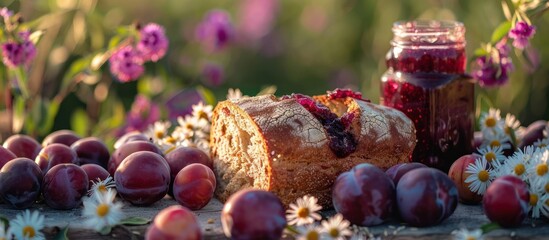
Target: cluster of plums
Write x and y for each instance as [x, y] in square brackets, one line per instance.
[62, 169]
[367, 196]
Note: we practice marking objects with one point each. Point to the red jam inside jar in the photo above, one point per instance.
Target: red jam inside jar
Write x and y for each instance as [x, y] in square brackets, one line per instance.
[426, 80]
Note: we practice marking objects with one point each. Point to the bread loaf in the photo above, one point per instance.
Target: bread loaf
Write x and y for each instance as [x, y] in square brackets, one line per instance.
[282, 146]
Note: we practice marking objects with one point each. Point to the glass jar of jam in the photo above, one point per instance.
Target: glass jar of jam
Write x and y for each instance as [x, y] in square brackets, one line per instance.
[426, 80]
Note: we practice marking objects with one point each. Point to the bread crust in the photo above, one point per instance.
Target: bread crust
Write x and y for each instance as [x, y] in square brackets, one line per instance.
[295, 158]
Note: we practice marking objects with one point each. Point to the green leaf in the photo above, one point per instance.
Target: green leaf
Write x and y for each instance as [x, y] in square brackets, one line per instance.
[135, 221]
[486, 228]
[105, 231]
[76, 67]
[208, 95]
[267, 90]
[62, 235]
[5, 221]
[483, 104]
[80, 122]
[113, 43]
[479, 52]
[501, 31]
[51, 113]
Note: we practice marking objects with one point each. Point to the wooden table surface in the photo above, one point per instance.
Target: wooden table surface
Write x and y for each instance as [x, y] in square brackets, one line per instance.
[465, 216]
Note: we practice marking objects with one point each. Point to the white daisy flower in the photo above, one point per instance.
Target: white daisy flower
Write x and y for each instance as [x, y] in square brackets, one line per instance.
[5, 234]
[234, 94]
[202, 144]
[464, 234]
[28, 226]
[498, 139]
[541, 143]
[309, 232]
[102, 185]
[545, 207]
[304, 212]
[515, 165]
[101, 211]
[538, 166]
[188, 123]
[537, 200]
[480, 177]
[336, 227]
[158, 130]
[492, 154]
[490, 122]
[201, 111]
[511, 124]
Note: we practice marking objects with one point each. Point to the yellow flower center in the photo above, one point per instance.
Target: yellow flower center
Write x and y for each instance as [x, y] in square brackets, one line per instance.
[533, 199]
[471, 238]
[333, 232]
[102, 210]
[542, 145]
[102, 188]
[508, 130]
[490, 122]
[519, 169]
[483, 176]
[202, 114]
[542, 169]
[547, 187]
[29, 232]
[303, 212]
[547, 202]
[159, 134]
[171, 140]
[495, 143]
[312, 235]
[491, 156]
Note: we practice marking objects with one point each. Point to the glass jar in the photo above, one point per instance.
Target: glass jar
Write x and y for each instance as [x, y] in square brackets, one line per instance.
[425, 79]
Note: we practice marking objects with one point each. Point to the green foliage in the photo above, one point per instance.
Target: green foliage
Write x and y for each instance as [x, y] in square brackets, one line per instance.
[135, 221]
[501, 31]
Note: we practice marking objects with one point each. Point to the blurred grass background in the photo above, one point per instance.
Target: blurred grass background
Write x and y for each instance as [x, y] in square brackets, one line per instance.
[309, 47]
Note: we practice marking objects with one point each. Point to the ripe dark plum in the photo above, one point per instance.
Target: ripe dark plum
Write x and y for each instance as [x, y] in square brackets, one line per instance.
[426, 197]
[53, 154]
[364, 195]
[458, 175]
[91, 150]
[397, 171]
[183, 156]
[174, 223]
[142, 178]
[64, 186]
[128, 148]
[20, 182]
[533, 132]
[64, 136]
[506, 201]
[194, 186]
[22, 146]
[5, 156]
[130, 137]
[253, 214]
[95, 173]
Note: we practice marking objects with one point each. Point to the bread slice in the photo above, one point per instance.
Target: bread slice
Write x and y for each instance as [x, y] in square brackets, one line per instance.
[278, 145]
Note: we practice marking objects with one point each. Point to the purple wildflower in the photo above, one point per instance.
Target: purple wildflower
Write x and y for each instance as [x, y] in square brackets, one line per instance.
[15, 54]
[257, 18]
[126, 64]
[142, 113]
[212, 74]
[493, 70]
[521, 33]
[215, 31]
[5, 13]
[153, 42]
